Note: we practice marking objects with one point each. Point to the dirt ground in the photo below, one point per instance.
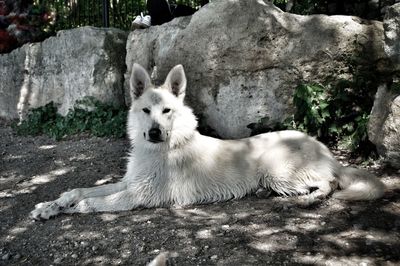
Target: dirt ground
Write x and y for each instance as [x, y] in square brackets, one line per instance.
[250, 231]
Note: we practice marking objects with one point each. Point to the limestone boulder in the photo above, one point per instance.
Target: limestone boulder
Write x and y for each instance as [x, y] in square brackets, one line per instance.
[391, 25]
[384, 124]
[243, 59]
[76, 63]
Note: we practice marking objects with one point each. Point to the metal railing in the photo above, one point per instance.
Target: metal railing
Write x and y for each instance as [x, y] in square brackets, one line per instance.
[99, 13]
[120, 13]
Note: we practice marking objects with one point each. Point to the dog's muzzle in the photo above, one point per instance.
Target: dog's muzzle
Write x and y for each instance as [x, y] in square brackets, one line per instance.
[155, 135]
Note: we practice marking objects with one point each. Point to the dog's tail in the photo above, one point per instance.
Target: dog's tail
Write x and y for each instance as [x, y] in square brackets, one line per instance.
[358, 184]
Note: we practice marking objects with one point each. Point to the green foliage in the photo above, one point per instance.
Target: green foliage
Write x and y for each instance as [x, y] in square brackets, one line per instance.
[88, 115]
[191, 3]
[339, 112]
[395, 87]
[312, 103]
[308, 7]
[334, 114]
[22, 22]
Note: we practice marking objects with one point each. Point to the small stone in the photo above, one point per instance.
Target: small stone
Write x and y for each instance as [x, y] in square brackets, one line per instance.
[74, 256]
[17, 256]
[156, 251]
[214, 257]
[57, 260]
[6, 256]
[94, 248]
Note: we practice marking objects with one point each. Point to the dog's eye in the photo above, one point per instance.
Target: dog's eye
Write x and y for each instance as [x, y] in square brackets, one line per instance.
[146, 110]
[166, 110]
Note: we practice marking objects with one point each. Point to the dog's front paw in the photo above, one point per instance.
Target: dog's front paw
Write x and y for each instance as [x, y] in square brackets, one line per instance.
[45, 210]
[83, 206]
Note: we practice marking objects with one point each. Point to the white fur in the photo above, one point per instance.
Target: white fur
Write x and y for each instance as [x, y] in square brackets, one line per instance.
[159, 260]
[185, 167]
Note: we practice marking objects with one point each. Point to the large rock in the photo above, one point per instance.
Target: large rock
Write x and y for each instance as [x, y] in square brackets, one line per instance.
[391, 25]
[384, 124]
[76, 63]
[244, 59]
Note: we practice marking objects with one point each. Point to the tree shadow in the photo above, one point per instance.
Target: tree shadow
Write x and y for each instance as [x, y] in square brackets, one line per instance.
[248, 231]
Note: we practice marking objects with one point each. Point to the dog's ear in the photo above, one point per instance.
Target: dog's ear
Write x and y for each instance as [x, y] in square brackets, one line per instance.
[139, 81]
[176, 81]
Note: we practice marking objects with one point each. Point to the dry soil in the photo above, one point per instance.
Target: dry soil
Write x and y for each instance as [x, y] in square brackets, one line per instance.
[249, 231]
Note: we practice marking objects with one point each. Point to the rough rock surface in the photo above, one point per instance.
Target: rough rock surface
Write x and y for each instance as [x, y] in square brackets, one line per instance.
[81, 62]
[384, 124]
[244, 59]
[391, 25]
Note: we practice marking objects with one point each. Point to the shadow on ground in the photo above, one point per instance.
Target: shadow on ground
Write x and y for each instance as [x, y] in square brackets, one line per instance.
[250, 231]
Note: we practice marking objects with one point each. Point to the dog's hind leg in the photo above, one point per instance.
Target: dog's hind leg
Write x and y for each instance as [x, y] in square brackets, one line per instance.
[322, 189]
[69, 199]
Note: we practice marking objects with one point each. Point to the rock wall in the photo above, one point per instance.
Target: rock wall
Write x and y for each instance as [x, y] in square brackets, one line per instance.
[244, 59]
[384, 123]
[76, 63]
[391, 25]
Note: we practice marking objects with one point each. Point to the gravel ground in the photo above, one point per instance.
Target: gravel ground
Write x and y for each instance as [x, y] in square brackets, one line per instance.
[250, 231]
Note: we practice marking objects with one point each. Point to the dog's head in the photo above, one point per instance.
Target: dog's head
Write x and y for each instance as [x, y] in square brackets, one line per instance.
[158, 114]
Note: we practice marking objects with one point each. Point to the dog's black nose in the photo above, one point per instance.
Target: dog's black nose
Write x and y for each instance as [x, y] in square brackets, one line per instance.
[155, 134]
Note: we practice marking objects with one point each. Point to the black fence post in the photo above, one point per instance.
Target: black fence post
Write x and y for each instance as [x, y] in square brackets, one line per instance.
[106, 13]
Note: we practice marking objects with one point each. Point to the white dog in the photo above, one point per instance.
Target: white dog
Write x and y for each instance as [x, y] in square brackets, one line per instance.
[171, 163]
